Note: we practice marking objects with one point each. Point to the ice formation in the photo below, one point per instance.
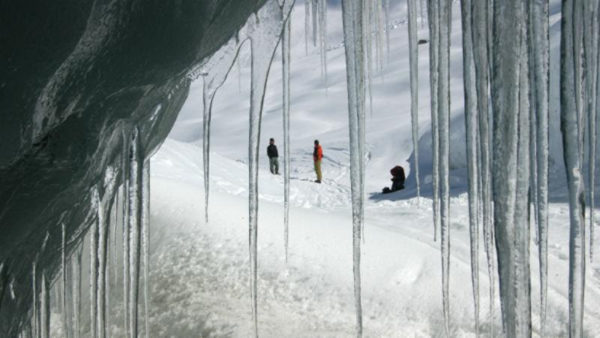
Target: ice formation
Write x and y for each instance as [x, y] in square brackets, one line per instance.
[507, 151]
[414, 84]
[470, 92]
[354, 40]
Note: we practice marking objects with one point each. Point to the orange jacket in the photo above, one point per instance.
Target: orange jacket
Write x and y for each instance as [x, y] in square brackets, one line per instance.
[318, 153]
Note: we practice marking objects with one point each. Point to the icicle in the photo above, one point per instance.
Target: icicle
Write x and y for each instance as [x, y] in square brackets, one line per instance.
[94, 266]
[104, 210]
[264, 36]
[135, 193]
[100, 290]
[414, 84]
[207, 114]
[354, 41]
[434, 33]
[482, 62]
[533, 172]
[285, 59]
[63, 263]
[35, 307]
[541, 60]
[470, 92]
[596, 117]
[217, 70]
[45, 307]
[522, 230]
[511, 166]
[114, 250]
[76, 291]
[377, 11]
[369, 52]
[571, 130]
[388, 28]
[315, 9]
[306, 24]
[146, 243]
[445, 19]
[590, 49]
[323, 38]
[125, 228]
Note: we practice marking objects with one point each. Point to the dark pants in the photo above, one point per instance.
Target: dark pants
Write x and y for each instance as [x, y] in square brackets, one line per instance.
[274, 165]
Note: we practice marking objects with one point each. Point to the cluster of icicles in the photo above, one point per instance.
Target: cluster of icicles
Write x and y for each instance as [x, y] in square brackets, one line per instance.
[115, 210]
[506, 85]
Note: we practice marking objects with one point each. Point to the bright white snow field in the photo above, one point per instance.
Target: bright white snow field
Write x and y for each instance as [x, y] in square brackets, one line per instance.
[200, 271]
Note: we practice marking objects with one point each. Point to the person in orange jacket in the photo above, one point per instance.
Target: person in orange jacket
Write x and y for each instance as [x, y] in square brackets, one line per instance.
[317, 156]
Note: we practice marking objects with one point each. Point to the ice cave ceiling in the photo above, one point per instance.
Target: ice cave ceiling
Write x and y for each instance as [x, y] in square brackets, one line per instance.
[76, 77]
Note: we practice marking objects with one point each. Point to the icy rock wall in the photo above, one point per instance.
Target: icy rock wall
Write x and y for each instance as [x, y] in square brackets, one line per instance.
[77, 76]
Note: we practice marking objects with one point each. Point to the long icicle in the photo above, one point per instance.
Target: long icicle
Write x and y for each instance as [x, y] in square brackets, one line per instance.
[314, 4]
[218, 68]
[434, 33]
[377, 11]
[125, 224]
[104, 212]
[444, 132]
[323, 38]
[146, 243]
[103, 224]
[596, 48]
[285, 60]
[522, 207]
[34, 295]
[354, 41]
[76, 290]
[386, 13]
[413, 48]
[369, 52]
[470, 103]
[511, 166]
[590, 48]
[264, 33]
[64, 284]
[206, 119]
[533, 172]
[571, 130]
[115, 265]
[135, 193]
[45, 307]
[93, 280]
[540, 42]
[482, 61]
[306, 24]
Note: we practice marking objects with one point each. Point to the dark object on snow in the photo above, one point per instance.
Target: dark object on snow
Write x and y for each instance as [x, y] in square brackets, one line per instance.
[422, 42]
[272, 149]
[398, 178]
[273, 157]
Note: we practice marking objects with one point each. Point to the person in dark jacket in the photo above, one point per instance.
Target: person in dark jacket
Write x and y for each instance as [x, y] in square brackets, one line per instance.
[273, 157]
[398, 178]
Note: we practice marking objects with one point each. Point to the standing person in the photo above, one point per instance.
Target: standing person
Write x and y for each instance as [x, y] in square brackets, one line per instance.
[273, 157]
[317, 156]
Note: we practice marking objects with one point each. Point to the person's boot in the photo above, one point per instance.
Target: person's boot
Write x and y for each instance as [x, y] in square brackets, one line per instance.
[317, 181]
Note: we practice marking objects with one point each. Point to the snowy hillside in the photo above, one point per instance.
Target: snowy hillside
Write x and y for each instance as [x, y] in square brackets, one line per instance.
[200, 271]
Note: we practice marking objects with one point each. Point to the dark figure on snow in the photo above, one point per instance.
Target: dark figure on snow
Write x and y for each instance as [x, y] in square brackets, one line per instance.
[398, 179]
[273, 157]
[317, 156]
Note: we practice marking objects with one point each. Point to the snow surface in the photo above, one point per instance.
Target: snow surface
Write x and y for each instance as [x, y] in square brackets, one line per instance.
[199, 273]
